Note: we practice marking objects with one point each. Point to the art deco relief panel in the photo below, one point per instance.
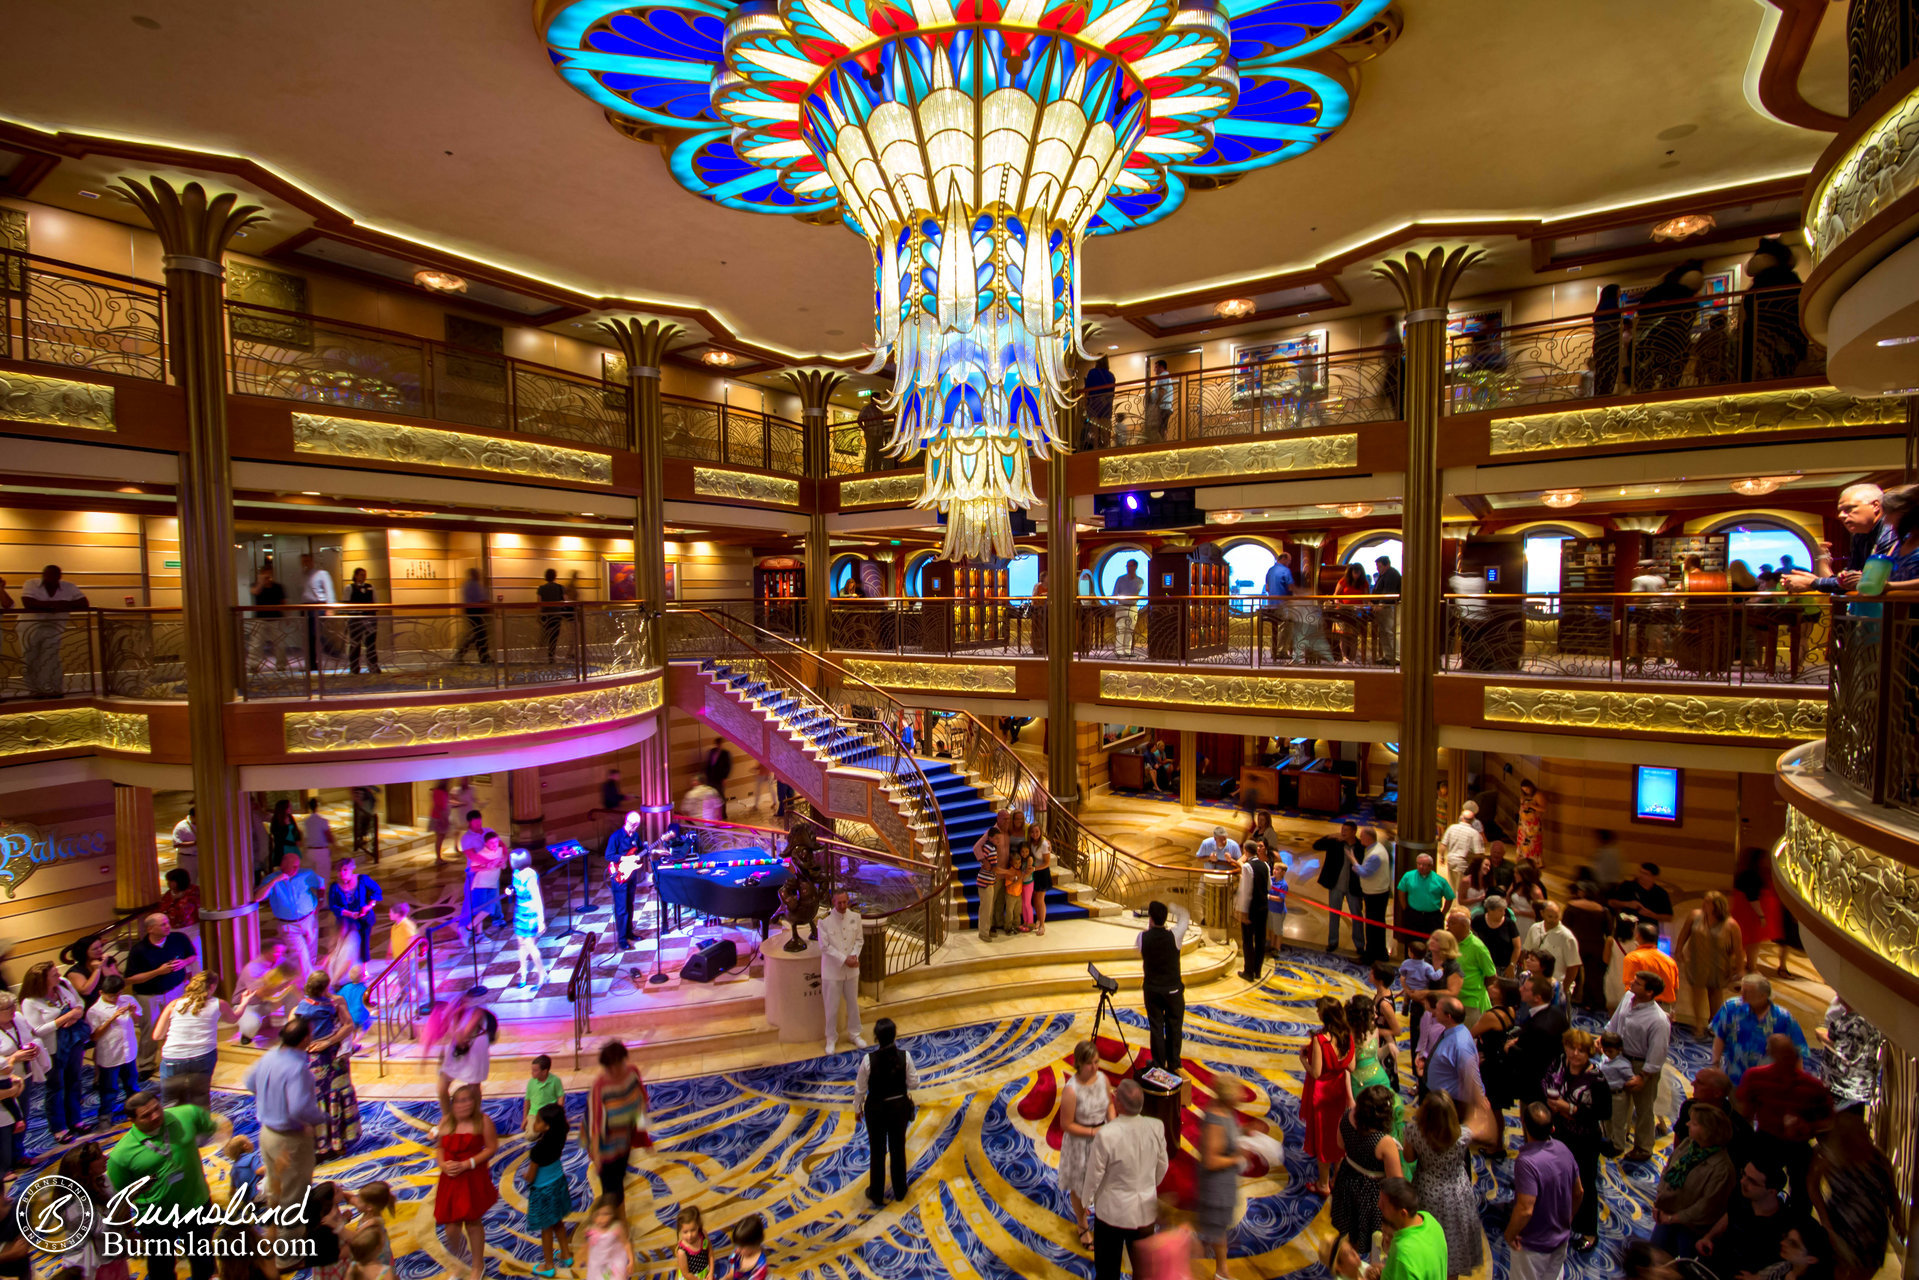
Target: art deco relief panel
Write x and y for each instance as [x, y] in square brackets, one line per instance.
[1708, 417]
[746, 486]
[1244, 693]
[56, 402]
[1865, 895]
[952, 677]
[1252, 457]
[374, 728]
[32, 732]
[1768, 719]
[428, 446]
[882, 491]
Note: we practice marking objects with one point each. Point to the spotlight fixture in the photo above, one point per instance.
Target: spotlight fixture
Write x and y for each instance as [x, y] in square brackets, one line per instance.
[1348, 510]
[440, 281]
[1899, 342]
[719, 358]
[1757, 486]
[1225, 517]
[1132, 502]
[1683, 227]
[1560, 499]
[1234, 308]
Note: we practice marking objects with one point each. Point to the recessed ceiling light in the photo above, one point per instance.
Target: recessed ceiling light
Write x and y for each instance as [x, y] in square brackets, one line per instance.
[1683, 227]
[89, 195]
[439, 281]
[1899, 342]
[1304, 314]
[1559, 499]
[1112, 346]
[310, 493]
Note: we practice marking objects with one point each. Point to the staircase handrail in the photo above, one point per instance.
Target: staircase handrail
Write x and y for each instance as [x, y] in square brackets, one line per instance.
[393, 1012]
[1111, 872]
[904, 771]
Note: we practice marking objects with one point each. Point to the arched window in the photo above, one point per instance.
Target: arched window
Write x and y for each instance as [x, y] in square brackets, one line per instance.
[1366, 551]
[915, 568]
[1111, 567]
[846, 571]
[1246, 566]
[1761, 542]
[1022, 574]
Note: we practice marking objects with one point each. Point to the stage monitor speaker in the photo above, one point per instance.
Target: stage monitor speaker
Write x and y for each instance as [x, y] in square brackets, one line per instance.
[713, 957]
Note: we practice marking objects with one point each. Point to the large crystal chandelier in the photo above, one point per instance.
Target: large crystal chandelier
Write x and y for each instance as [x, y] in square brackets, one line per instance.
[975, 145]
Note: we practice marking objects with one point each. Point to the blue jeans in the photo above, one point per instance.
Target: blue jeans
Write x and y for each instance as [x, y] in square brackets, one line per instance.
[63, 1087]
[478, 901]
[1345, 900]
[126, 1077]
[200, 1066]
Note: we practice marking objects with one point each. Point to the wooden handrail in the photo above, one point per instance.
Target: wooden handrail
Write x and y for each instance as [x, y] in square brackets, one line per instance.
[581, 994]
[158, 287]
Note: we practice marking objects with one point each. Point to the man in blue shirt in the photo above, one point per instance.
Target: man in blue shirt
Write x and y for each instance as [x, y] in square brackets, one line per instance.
[294, 896]
[1453, 1068]
[1742, 1026]
[288, 1107]
[1279, 584]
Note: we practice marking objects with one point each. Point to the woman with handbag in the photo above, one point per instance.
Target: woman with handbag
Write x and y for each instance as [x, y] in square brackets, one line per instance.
[57, 1016]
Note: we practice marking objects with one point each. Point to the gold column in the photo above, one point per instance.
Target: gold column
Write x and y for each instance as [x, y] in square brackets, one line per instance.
[194, 230]
[643, 344]
[1062, 615]
[815, 388]
[1188, 769]
[136, 856]
[529, 814]
[1425, 285]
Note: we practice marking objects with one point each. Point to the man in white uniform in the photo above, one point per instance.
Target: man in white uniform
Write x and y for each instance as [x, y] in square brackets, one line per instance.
[186, 846]
[49, 600]
[316, 836]
[842, 935]
[316, 587]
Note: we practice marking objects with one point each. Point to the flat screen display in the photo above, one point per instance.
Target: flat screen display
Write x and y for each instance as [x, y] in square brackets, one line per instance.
[1656, 794]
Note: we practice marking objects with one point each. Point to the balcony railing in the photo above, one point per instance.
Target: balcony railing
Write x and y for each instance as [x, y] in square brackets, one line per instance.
[93, 653]
[784, 617]
[703, 431]
[73, 317]
[855, 449]
[1709, 341]
[1724, 638]
[287, 355]
[1872, 733]
[1338, 389]
[1739, 638]
[331, 651]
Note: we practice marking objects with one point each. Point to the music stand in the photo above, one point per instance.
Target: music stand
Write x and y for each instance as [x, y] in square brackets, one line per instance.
[569, 853]
[659, 918]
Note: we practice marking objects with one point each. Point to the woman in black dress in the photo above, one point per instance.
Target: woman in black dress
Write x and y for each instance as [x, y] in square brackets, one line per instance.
[1366, 1131]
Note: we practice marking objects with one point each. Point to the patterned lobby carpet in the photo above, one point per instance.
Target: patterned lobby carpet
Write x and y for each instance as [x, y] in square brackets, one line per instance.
[782, 1141]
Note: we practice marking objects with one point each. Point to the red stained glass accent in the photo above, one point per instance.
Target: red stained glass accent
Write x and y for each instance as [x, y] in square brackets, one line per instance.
[823, 52]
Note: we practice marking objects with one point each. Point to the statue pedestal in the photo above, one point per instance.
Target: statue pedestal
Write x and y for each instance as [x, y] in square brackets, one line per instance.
[794, 1007]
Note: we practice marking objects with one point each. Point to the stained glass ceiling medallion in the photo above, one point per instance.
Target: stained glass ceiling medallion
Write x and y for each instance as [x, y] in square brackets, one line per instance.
[974, 145]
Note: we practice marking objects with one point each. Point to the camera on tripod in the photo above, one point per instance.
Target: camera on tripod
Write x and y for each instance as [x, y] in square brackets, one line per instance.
[1105, 984]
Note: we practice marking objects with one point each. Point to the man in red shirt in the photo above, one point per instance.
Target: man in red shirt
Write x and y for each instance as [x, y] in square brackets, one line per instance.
[1788, 1107]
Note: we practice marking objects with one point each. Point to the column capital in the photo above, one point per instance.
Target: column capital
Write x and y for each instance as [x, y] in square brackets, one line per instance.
[642, 341]
[193, 227]
[1426, 283]
[815, 387]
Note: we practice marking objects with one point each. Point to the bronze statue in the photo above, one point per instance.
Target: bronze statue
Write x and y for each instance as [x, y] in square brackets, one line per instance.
[804, 888]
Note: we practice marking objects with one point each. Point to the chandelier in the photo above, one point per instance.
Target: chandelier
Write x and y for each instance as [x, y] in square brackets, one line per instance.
[1758, 486]
[1683, 227]
[1560, 499]
[974, 146]
[1234, 308]
[1350, 510]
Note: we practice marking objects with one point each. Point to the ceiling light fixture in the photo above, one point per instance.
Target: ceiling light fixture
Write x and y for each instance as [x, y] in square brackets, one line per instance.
[975, 155]
[1899, 342]
[89, 195]
[1225, 517]
[1350, 510]
[439, 281]
[1683, 227]
[1560, 499]
[720, 358]
[1757, 486]
[1112, 346]
[1235, 308]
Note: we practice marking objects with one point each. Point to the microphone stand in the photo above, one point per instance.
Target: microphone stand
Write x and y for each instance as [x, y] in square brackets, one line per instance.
[659, 923]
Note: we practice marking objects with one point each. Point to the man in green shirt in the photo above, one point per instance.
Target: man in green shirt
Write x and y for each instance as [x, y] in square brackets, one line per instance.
[1427, 894]
[1418, 1250]
[163, 1146]
[1476, 965]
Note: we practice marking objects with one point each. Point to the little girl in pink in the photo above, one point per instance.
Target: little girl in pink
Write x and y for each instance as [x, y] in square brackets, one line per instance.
[609, 1249]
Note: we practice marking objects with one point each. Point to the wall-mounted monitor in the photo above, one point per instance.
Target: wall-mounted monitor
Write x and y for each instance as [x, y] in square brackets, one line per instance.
[1657, 794]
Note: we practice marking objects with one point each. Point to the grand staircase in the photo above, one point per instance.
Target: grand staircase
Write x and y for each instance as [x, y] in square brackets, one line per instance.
[969, 813]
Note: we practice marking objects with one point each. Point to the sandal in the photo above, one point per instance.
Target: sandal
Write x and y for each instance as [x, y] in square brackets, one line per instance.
[1085, 1236]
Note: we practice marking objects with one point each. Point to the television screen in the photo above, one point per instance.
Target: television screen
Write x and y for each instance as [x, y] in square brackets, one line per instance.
[1656, 794]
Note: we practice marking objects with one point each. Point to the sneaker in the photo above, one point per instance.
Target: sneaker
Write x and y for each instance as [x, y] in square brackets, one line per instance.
[859, 1040]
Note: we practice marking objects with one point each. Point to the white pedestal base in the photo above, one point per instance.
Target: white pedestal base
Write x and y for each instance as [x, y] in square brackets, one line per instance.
[793, 1004]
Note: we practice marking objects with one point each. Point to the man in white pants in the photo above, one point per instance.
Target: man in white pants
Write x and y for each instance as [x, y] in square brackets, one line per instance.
[842, 935]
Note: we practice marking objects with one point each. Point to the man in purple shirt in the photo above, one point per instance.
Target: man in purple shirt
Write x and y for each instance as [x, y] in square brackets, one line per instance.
[1546, 1190]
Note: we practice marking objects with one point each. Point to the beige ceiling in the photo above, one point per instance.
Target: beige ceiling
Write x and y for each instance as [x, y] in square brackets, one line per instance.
[440, 120]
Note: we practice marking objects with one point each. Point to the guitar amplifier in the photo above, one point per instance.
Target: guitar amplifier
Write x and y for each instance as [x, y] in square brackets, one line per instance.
[711, 958]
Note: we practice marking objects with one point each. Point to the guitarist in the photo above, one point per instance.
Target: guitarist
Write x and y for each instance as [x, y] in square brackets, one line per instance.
[624, 857]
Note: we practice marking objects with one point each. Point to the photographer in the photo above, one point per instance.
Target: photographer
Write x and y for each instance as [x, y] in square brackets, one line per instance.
[1164, 987]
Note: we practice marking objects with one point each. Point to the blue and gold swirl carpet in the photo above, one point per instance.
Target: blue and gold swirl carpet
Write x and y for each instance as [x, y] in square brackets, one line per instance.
[783, 1142]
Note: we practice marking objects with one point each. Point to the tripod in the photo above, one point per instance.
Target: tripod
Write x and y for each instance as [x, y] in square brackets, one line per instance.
[1105, 1007]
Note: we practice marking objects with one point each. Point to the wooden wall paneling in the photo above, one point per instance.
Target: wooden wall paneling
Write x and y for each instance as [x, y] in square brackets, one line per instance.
[97, 551]
[68, 898]
[1583, 796]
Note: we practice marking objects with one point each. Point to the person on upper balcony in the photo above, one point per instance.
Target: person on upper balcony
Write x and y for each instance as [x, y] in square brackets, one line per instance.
[1862, 511]
[1662, 331]
[1773, 343]
[52, 599]
[1901, 517]
[1098, 430]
